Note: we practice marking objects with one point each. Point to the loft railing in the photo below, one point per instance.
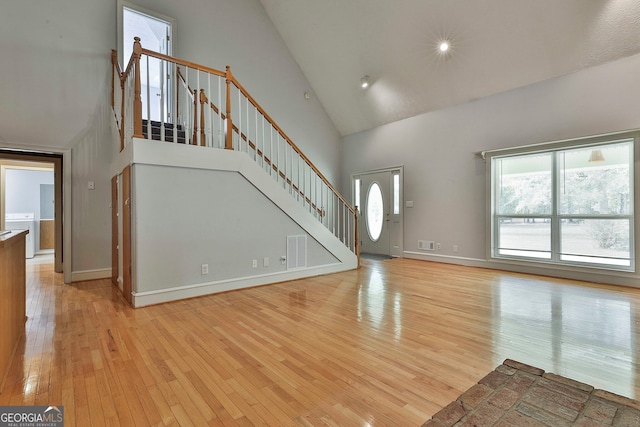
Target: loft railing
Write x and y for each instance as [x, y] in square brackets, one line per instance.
[169, 99]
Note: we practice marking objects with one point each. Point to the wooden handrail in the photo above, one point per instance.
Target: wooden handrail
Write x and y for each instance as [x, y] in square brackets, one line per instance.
[289, 141]
[134, 62]
[267, 160]
[229, 144]
[182, 62]
[115, 67]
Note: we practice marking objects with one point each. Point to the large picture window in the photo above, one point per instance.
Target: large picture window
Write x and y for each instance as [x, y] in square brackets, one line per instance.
[569, 205]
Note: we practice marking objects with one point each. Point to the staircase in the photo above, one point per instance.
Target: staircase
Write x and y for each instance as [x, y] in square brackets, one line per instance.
[154, 130]
[210, 108]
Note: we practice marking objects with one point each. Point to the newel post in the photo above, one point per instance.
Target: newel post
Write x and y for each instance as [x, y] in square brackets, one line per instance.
[229, 137]
[137, 94]
[114, 60]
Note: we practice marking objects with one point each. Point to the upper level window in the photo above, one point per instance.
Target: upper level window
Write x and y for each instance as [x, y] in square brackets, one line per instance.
[570, 204]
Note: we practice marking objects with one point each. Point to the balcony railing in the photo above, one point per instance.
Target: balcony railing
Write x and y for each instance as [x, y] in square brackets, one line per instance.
[163, 98]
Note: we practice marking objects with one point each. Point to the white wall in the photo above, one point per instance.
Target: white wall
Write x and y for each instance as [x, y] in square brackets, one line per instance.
[55, 90]
[446, 179]
[228, 225]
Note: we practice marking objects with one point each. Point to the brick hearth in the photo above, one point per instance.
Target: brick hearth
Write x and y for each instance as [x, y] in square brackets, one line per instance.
[515, 394]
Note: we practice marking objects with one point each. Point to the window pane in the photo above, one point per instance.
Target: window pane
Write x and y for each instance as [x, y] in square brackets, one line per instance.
[528, 237]
[524, 185]
[599, 241]
[595, 180]
[396, 194]
[375, 210]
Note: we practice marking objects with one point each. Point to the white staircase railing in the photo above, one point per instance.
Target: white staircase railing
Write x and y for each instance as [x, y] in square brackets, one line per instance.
[183, 102]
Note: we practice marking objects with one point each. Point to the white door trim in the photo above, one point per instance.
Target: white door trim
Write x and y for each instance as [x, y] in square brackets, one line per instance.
[120, 24]
[396, 236]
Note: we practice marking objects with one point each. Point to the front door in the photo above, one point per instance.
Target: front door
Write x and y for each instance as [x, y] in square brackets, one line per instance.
[377, 194]
[375, 213]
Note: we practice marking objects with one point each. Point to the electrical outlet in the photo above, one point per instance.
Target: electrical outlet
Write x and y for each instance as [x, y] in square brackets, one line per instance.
[254, 264]
[205, 269]
[455, 248]
[283, 260]
[265, 262]
[438, 246]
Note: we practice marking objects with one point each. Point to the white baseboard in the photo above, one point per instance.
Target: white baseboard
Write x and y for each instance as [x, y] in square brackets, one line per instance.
[469, 262]
[81, 276]
[542, 269]
[141, 299]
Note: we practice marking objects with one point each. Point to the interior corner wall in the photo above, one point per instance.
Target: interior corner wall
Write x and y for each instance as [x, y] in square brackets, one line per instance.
[444, 176]
[239, 33]
[91, 157]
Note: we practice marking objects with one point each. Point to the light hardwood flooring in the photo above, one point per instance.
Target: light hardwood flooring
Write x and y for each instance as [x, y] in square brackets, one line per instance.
[389, 344]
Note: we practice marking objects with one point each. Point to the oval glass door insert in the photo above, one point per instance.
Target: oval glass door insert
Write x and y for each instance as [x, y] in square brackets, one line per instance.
[374, 212]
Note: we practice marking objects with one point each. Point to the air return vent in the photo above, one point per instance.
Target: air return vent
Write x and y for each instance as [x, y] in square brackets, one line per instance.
[426, 245]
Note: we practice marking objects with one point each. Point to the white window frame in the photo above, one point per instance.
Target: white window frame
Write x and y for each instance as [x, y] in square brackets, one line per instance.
[553, 147]
[121, 4]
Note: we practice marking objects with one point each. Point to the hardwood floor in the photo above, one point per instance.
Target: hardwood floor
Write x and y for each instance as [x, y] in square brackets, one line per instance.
[389, 344]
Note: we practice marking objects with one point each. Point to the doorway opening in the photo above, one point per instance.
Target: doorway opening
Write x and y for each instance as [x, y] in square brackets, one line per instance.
[156, 33]
[31, 198]
[377, 195]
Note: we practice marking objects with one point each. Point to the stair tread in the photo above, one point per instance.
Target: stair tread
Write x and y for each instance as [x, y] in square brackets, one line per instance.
[157, 124]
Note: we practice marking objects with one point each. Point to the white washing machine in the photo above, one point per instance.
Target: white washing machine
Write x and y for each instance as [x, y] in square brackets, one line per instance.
[23, 221]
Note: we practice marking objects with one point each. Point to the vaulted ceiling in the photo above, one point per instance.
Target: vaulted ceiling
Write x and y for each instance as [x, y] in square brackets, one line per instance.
[496, 45]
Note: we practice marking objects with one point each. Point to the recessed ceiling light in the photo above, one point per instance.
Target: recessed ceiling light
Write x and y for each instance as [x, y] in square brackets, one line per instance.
[444, 46]
[364, 82]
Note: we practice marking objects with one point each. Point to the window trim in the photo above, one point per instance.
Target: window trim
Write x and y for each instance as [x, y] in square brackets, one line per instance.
[554, 262]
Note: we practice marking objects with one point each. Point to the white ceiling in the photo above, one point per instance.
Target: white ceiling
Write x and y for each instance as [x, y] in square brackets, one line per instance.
[497, 45]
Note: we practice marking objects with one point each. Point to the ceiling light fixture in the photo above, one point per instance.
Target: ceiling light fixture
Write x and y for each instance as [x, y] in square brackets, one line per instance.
[444, 46]
[364, 82]
[596, 156]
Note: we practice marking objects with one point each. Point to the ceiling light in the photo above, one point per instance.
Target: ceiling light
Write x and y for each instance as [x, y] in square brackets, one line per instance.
[364, 82]
[444, 46]
[596, 156]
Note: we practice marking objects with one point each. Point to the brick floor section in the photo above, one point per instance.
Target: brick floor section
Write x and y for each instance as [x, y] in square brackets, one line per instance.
[515, 394]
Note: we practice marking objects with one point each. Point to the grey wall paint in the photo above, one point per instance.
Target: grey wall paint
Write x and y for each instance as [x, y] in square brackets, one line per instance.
[227, 226]
[91, 232]
[443, 175]
[56, 90]
[239, 33]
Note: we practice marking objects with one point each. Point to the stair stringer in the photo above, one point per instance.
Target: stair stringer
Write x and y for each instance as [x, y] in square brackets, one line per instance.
[141, 151]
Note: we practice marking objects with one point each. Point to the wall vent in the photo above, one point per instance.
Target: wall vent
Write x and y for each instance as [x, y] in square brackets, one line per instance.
[296, 251]
[426, 245]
